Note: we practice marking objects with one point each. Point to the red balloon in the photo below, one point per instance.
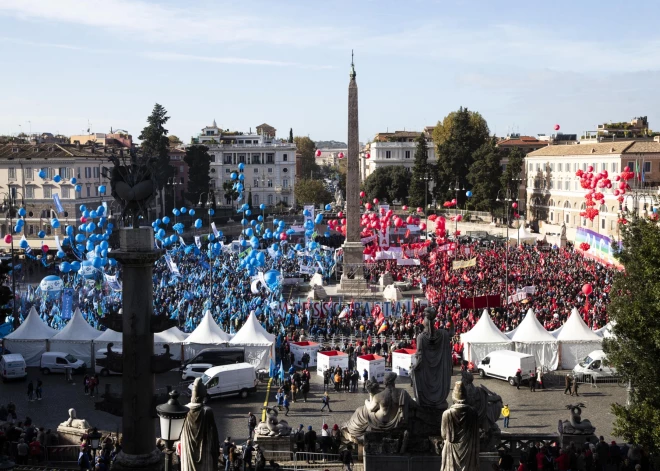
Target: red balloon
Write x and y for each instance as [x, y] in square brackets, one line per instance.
[318, 152]
[367, 155]
[341, 155]
[83, 219]
[368, 206]
[514, 205]
[557, 127]
[343, 221]
[283, 236]
[422, 226]
[45, 248]
[405, 208]
[375, 200]
[8, 239]
[460, 217]
[362, 194]
[587, 289]
[453, 201]
[409, 219]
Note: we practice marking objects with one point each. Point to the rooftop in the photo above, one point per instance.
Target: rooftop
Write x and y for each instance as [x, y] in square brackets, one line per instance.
[601, 148]
[55, 151]
[521, 141]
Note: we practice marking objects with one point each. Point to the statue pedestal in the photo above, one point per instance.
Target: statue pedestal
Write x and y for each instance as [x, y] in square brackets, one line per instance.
[279, 445]
[71, 435]
[565, 439]
[153, 461]
[386, 280]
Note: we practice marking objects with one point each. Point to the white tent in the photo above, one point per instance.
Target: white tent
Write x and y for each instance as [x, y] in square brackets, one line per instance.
[317, 280]
[172, 337]
[607, 331]
[392, 293]
[523, 236]
[483, 338]
[207, 334]
[108, 336]
[30, 339]
[77, 338]
[530, 337]
[576, 340]
[259, 344]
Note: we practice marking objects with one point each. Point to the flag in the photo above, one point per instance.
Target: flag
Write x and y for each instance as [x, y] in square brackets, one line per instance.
[281, 371]
[58, 204]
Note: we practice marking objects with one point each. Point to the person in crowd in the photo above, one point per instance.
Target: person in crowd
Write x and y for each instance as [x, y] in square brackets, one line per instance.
[506, 412]
[310, 443]
[39, 390]
[22, 451]
[602, 454]
[568, 383]
[300, 438]
[248, 451]
[252, 424]
[227, 447]
[30, 391]
[285, 404]
[532, 381]
[574, 387]
[305, 390]
[326, 402]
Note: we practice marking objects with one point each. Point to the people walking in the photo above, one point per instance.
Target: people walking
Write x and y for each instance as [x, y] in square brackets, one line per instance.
[518, 378]
[305, 390]
[326, 402]
[39, 389]
[86, 384]
[574, 388]
[532, 381]
[365, 377]
[252, 424]
[30, 391]
[285, 403]
[506, 412]
[567, 383]
[227, 446]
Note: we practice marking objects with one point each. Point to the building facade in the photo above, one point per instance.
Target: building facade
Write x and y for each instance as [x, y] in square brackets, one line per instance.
[554, 195]
[394, 149]
[20, 165]
[269, 164]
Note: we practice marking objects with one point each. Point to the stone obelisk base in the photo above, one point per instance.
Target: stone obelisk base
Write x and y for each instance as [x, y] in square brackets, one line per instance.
[352, 280]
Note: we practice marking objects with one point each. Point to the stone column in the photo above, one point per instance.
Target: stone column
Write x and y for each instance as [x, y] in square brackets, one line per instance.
[137, 256]
[352, 279]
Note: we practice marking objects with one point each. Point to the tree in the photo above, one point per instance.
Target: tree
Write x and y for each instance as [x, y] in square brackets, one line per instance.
[456, 138]
[6, 295]
[484, 177]
[635, 347]
[418, 185]
[513, 171]
[290, 135]
[306, 148]
[308, 191]
[388, 184]
[230, 194]
[199, 166]
[155, 144]
[174, 140]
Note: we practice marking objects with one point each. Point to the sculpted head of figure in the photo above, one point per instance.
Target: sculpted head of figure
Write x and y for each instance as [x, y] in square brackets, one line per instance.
[429, 319]
[390, 379]
[198, 392]
[459, 395]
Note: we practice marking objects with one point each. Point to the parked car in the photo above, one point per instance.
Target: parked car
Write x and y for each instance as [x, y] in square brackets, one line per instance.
[194, 370]
[503, 364]
[58, 362]
[218, 356]
[12, 366]
[594, 367]
[237, 379]
[100, 355]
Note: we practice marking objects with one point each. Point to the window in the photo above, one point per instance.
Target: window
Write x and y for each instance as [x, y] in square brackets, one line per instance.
[270, 169]
[567, 185]
[285, 200]
[631, 166]
[29, 174]
[285, 170]
[285, 158]
[285, 183]
[227, 158]
[66, 192]
[552, 167]
[227, 170]
[212, 157]
[575, 165]
[48, 191]
[29, 192]
[270, 158]
[531, 167]
[12, 173]
[13, 192]
[256, 183]
[256, 170]
[388, 154]
[407, 154]
[255, 199]
[602, 223]
[31, 229]
[270, 200]
[88, 191]
[62, 172]
[560, 167]
[270, 183]
[88, 172]
[97, 172]
[256, 158]
[603, 166]
[647, 167]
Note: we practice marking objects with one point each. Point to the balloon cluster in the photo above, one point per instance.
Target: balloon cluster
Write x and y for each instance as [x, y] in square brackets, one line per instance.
[595, 183]
[450, 204]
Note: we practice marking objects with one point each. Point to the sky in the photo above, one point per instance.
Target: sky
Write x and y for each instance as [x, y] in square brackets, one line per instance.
[525, 66]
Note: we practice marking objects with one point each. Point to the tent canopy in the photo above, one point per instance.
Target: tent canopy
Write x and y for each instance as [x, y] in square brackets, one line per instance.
[530, 330]
[252, 333]
[575, 330]
[77, 330]
[32, 328]
[485, 331]
[171, 335]
[110, 336]
[208, 332]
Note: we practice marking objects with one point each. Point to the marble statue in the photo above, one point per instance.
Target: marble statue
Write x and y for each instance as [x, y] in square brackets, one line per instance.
[563, 231]
[273, 427]
[577, 425]
[133, 184]
[386, 410]
[460, 432]
[73, 422]
[431, 375]
[199, 439]
[339, 199]
[487, 404]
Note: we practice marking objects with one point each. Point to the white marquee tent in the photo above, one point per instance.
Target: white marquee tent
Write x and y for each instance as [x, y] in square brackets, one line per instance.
[259, 344]
[523, 236]
[30, 339]
[607, 331]
[530, 337]
[483, 338]
[108, 336]
[207, 334]
[77, 338]
[576, 340]
[172, 337]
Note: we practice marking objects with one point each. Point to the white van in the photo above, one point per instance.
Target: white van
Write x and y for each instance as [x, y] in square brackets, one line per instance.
[12, 366]
[101, 354]
[194, 370]
[225, 380]
[594, 367]
[503, 364]
[58, 362]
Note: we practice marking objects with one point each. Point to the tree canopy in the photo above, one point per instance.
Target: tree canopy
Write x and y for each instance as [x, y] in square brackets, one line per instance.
[199, 166]
[484, 177]
[6, 293]
[420, 171]
[634, 350]
[308, 191]
[229, 193]
[306, 148]
[156, 144]
[174, 140]
[457, 137]
[388, 184]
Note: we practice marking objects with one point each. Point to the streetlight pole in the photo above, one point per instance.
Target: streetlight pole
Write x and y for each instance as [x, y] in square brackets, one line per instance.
[507, 200]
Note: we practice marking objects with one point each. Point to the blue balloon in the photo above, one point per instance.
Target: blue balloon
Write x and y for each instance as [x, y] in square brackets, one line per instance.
[313, 245]
[244, 243]
[326, 234]
[184, 210]
[318, 219]
[75, 266]
[112, 262]
[241, 177]
[262, 206]
[239, 187]
[166, 220]
[104, 245]
[55, 223]
[161, 233]
[306, 213]
[248, 212]
[41, 234]
[328, 207]
[271, 277]
[65, 267]
[80, 238]
[211, 211]
[24, 244]
[176, 212]
[42, 173]
[74, 180]
[20, 223]
[57, 179]
[89, 246]
[198, 224]
[260, 218]
[102, 189]
[60, 254]
[69, 230]
[191, 212]
[298, 247]
[249, 232]
[244, 222]
[468, 194]
[78, 188]
[83, 208]
[241, 166]
[91, 227]
[97, 262]
[22, 212]
[233, 175]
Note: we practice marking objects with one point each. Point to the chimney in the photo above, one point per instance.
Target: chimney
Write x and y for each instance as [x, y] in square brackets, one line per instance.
[93, 149]
[77, 144]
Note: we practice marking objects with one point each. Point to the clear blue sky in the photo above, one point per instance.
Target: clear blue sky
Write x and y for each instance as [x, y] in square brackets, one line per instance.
[524, 65]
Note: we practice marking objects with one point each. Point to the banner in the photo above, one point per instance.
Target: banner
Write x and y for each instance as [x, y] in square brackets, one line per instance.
[113, 283]
[527, 290]
[198, 242]
[67, 303]
[307, 270]
[384, 236]
[447, 247]
[366, 240]
[514, 298]
[480, 302]
[183, 243]
[600, 246]
[215, 230]
[458, 264]
[58, 204]
[408, 261]
[171, 265]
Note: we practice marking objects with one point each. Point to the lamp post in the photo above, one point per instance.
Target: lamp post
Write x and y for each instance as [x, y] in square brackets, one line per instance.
[507, 200]
[9, 205]
[172, 417]
[94, 440]
[208, 205]
[456, 189]
[171, 181]
[427, 177]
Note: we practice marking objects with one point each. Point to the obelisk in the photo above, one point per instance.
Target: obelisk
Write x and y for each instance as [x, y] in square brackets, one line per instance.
[352, 279]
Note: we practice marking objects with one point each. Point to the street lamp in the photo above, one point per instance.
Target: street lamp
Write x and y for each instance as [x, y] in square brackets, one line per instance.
[171, 181]
[427, 177]
[9, 206]
[507, 200]
[456, 189]
[94, 440]
[172, 417]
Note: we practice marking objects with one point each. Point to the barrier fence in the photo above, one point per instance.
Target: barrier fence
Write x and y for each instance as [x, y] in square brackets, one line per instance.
[303, 461]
